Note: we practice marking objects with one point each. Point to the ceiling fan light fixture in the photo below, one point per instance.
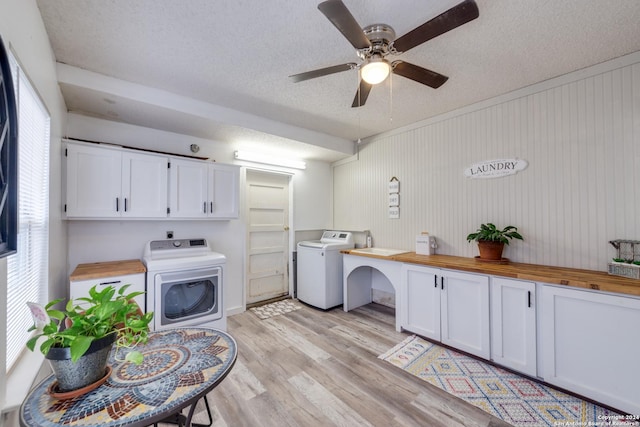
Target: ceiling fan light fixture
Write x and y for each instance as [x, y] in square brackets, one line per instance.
[375, 71]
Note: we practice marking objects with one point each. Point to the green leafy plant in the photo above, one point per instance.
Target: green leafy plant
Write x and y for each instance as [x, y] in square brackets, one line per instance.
[626, 261]
[89, 318]
[490, 233]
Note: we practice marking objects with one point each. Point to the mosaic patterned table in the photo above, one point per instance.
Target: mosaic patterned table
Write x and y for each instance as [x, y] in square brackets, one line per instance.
[180, 367]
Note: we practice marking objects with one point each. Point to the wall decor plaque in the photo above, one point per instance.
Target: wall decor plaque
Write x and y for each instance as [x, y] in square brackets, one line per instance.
[394, 185]
[495, 168]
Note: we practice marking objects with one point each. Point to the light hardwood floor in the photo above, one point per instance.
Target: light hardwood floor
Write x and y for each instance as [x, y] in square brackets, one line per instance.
[320, 368]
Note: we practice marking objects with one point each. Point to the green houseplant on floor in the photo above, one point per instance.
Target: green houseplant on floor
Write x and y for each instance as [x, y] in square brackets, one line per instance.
[78, 339]
[491, 240]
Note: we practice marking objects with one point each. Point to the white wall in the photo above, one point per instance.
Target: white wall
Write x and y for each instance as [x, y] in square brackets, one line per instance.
[313, 197]
[94, 241]
[580, 134]
[23, 32]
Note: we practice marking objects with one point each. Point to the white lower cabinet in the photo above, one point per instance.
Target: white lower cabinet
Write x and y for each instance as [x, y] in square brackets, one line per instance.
[421, 301]
[591, 343]
[447, 306]
[513, 324]
[136, 282]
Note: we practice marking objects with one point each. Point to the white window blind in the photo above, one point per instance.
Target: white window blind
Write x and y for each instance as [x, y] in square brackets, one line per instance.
[28, 268]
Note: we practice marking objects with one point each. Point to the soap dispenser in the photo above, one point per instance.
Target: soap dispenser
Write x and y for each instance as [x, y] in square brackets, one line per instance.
[368, 233]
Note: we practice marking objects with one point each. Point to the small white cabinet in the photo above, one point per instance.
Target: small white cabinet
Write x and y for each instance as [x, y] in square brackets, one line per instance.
[110, 273]
[223, 191]
[513, 324]
[107, 182]
[421, 301]
[144, 185]
[591, 343]
[447, 306]
[94, 178]
[203, 190]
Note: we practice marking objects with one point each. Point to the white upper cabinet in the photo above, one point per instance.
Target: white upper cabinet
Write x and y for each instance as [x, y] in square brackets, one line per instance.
[203, 190]
[224, 191]
[111, 183]
[188, 189]
[94, 181]
[108, 182]
[144, 185]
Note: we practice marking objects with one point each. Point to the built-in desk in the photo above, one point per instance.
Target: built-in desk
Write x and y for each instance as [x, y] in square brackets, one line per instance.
[576, 329]
[588, 279]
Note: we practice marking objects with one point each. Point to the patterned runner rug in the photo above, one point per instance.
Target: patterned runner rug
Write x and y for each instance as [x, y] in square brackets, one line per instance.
[275, 308]
[515, 399]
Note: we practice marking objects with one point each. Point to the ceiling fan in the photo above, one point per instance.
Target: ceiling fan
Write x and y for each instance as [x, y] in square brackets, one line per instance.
[374, 42]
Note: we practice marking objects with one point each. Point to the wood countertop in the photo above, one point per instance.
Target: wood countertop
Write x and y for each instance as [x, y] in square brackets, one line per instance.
[98, 270]
[588, 279]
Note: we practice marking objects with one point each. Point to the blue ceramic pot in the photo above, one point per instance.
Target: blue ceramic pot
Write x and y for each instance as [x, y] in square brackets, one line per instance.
[87, 370]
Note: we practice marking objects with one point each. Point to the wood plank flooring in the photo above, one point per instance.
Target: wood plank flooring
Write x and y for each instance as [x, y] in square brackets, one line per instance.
[320, 368]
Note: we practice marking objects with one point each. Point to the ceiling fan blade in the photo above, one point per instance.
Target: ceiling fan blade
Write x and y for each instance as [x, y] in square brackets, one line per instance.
[322, 72]
[344, 21]
[452, 18]
[362, 94]
[419, 74]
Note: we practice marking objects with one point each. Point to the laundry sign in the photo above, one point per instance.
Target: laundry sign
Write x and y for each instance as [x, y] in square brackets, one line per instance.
[495, 168]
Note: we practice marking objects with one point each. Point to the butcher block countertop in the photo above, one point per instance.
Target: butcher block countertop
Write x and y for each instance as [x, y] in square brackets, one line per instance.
[98, 270]
[588, 279]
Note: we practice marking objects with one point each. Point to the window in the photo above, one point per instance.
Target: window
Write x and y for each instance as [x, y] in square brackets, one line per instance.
[8, 157]
[28, 269]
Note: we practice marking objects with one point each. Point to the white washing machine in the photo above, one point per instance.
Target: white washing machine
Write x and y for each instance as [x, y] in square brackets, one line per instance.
[320, 269]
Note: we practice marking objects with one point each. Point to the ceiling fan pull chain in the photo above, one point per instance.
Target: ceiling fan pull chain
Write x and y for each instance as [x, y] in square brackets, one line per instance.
[391, 98]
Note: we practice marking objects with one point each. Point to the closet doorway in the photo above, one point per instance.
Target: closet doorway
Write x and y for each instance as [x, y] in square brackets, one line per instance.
[267, 213]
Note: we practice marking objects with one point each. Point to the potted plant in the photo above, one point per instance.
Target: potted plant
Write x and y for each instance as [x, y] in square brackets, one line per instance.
[625, 268]
[491, 240]
[78, 339]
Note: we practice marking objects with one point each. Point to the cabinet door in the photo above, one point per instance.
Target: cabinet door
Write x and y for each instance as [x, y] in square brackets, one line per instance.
[420, 301]
[591, 343]
[513, 328]
[188, 189]
[144, 185]
[94, 182]
[465, 312]
[224, 191]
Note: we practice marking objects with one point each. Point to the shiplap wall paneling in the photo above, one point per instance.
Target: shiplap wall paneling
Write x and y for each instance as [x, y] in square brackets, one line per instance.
[581, 138]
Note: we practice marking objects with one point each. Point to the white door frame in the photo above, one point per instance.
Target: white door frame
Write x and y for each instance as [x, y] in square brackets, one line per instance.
[245, 220]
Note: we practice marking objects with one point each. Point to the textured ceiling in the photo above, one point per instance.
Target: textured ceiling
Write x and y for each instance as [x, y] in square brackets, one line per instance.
[239, 54]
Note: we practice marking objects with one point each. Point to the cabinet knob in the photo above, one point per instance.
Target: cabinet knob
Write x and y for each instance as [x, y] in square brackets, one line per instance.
[286, 228]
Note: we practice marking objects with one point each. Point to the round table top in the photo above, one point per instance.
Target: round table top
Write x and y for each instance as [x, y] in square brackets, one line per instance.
[180, 366]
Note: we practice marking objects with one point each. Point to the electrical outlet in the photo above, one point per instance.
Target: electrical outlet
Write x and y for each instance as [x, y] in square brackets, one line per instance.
[169, 234]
